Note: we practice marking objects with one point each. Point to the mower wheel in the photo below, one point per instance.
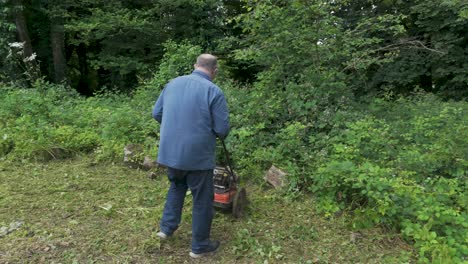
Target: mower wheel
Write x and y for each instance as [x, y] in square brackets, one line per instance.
[239, 203]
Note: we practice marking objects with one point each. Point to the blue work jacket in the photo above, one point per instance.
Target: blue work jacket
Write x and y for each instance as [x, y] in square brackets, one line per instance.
[193, 112]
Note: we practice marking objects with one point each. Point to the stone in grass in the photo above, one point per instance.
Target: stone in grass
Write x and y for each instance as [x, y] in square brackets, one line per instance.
[149, 163]
[276, 177]
[133, 155]
[134, 158]
[5, 230]
[152, 175]
[355, 237]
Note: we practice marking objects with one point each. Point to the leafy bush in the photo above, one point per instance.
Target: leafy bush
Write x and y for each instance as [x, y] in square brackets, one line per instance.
[404, 165]
[178, 60]
[401, 164]
[52, 121]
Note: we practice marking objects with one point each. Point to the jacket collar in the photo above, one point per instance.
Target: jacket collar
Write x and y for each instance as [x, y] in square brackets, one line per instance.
[201, 74]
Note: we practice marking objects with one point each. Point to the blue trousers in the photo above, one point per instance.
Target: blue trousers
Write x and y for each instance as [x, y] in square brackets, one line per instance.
[201, 185]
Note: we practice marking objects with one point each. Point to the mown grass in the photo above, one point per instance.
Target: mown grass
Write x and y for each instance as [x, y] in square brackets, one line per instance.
[79, 211]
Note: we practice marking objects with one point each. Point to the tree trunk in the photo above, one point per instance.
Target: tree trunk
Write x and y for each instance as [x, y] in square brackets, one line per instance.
[21, 28]
[32, 68]
[57, 37]
[426, 81]
[89, 79]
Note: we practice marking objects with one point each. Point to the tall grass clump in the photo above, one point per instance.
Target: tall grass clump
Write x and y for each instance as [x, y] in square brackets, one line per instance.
[54, 122]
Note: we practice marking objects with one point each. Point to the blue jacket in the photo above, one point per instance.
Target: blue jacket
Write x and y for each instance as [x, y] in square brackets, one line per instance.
[192, 112]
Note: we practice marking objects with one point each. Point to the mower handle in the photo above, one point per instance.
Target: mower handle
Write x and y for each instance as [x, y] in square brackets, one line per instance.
[227, 157]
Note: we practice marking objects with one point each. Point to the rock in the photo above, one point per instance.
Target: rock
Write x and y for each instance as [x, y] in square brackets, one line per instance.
[276, 177]
[133, 155]
[151, 175]
[338, 213]
[149, 163]
[63, 244]
[5, 230]
[355, 237]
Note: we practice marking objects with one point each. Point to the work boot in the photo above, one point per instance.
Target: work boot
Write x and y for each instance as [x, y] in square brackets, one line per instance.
[210, 250]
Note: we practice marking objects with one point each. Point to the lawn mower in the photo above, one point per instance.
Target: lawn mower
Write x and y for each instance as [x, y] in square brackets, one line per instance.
[228, 195]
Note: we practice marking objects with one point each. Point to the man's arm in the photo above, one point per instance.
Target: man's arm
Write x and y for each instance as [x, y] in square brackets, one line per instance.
[220, 114]
[158, 108]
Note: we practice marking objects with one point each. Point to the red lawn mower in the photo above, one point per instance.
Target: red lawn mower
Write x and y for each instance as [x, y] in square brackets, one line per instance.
[228, 195]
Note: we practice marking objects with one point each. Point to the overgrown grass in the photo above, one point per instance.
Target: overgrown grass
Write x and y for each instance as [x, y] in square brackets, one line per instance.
[55, 122]
[79, 211]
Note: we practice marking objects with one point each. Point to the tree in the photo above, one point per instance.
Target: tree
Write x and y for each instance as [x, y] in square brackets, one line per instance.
[22, 27]
[430, 53]
[121, 40]
[55, 10]
[18, 64]
[110, 44]
[7, 36]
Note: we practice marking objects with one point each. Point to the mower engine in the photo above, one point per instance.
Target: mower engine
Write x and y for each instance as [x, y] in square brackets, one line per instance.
[225, 187]
[226, 192]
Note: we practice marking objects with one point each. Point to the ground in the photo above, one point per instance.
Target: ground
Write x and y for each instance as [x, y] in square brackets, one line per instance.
[80, 211]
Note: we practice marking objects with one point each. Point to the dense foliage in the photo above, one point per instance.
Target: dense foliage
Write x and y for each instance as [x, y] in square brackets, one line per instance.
[384, 46]
[96, 45]
[55, 122]
[362, 103]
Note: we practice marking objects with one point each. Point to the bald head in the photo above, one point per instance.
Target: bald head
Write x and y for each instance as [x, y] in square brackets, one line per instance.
[207, 61]
[208, 64]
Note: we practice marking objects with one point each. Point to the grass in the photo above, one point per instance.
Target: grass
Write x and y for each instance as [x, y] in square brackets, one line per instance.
[78, 211]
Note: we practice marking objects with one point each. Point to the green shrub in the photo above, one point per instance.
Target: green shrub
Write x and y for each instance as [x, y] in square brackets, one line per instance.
[178, 60]
[51, 121]
[404, 167]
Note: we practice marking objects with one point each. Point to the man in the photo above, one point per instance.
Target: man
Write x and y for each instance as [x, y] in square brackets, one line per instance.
[192, 112]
